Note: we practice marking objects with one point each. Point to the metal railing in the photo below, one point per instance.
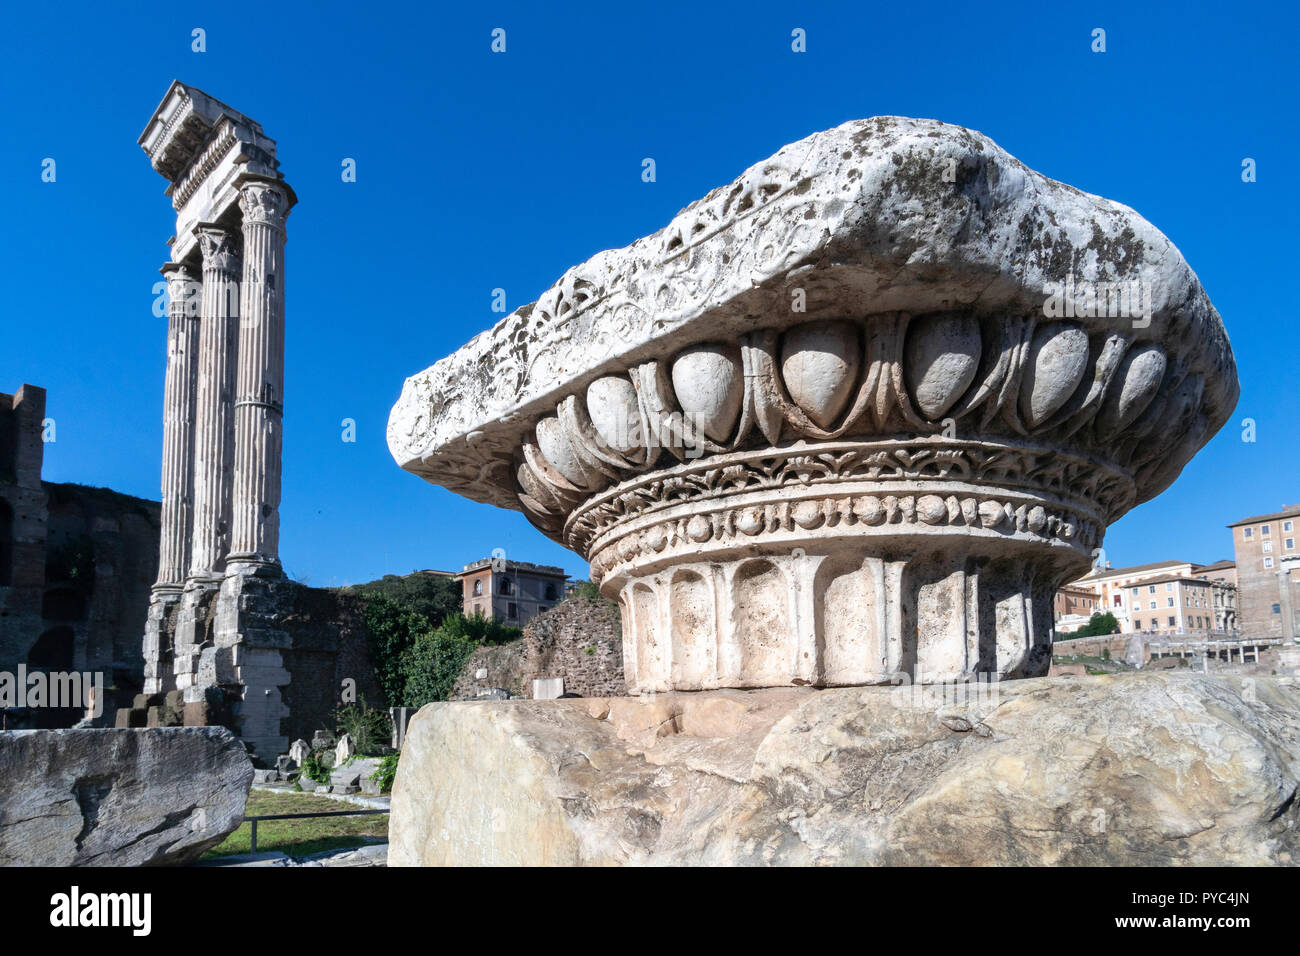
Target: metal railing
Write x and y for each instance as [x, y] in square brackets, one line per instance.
[253, 821]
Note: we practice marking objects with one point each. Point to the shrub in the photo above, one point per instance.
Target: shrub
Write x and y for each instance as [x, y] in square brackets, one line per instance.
[435, 660]
[1099, 625]
[314, 769]
[585, 589]
[385, 773]
[369, 727]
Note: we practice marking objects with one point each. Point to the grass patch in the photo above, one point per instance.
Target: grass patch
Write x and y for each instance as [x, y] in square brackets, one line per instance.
[301, 837]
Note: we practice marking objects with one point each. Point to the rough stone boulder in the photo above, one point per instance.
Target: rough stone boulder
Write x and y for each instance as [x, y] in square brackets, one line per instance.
[1148, 768]
[119, 797]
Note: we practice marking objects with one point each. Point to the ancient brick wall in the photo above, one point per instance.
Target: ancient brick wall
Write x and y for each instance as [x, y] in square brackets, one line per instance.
[579, 640]
[329, 644]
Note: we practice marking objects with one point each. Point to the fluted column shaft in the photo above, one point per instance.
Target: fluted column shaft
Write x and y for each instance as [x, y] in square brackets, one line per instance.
[178, 425]
[259, 396]
[214, 449]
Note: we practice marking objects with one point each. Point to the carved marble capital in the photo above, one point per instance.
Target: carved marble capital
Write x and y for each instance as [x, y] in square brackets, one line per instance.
[264, 202]
[847, 420]
[184, 287]
[221, 250]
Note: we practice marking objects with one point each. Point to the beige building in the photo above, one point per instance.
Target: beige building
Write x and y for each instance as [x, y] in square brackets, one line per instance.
[1268, 573]
[1176, 597]
[513, 592]
[1073, 607]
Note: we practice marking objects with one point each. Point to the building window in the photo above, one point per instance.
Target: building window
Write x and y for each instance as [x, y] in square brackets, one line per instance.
[1153, 605]
[1277, 609]
[512, 610]
[1290, 543]
[550, 592]
[1287, 526]
[1169, 585]
[1268, 562]
[1151, 589]
[1119, 599]
[478, 587]
[1248, 532]
[1264, 530]
[1268, 546]
[507, 588]
[1135, 591]
[1171, 601]
[1171, 620]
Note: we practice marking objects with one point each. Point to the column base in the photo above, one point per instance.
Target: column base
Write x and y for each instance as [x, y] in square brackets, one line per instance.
[249, 635]
[194, 624]
[159, 637]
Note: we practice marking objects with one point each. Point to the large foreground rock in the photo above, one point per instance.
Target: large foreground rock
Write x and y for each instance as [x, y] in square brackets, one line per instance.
[1148, 768]
[119, 797]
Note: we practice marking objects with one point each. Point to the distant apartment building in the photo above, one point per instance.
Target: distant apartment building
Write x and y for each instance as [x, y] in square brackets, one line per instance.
[1179, 604]
[1268, 573]
[1175, 597]
[512, 592]
[1073, 607]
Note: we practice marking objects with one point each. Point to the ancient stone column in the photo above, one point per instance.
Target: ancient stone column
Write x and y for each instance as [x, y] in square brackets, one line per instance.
[214, 448]
[178, 426]
[259, 395]
[177, 471]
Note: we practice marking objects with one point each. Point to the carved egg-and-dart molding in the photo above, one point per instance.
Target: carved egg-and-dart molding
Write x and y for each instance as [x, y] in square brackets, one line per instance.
[855, 416]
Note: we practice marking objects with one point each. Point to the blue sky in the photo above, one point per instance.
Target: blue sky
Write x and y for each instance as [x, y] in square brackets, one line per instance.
[477, 171]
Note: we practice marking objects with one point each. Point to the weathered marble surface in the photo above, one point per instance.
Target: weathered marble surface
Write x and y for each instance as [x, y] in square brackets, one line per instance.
[1149, 768]
[119, 797]
[861, 218]
[856, 415]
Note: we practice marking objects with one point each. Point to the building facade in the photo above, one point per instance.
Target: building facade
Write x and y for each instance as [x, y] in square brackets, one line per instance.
[512, 592]
[1268, 573]
[1176, 597]
[1172, 603]
[1073, 607]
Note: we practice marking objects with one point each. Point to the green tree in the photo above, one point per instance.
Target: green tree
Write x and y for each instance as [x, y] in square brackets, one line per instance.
[1099, 625]
[432, 596]
[435, 660]
[392, 629]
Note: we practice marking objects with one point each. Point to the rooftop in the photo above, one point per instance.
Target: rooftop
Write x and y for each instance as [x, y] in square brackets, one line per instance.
[1216, 566]
[549, 570]
[1097, 573]
[1288, 511]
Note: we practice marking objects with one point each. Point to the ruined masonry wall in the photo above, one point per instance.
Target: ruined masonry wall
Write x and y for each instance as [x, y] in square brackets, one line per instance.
[579, 640]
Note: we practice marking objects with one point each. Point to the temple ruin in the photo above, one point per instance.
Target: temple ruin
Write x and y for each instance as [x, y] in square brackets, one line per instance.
[206, 642]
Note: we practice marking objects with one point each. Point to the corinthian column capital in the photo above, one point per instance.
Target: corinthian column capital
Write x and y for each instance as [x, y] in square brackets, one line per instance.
[220, 248]
[184, 284]
[264, 202]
